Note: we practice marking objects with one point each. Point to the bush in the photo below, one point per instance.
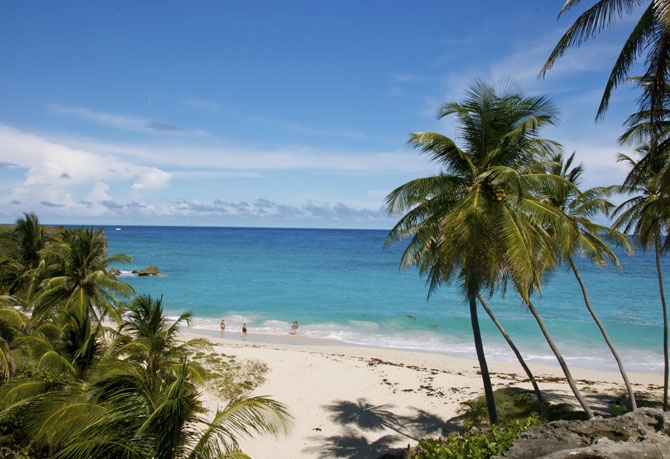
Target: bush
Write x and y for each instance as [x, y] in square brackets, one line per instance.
[474, 444]
[228, 378]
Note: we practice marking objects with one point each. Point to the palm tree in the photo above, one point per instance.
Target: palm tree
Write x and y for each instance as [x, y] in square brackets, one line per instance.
[476, 221]
[646, 215]
[128, 407]
[21, 254]
[11, 322]
[151, 339]
[536, 389]
[82, 394]
[76, 269]
[129, 412]
[62, 356]
[650, 37]
[559, 358]
[71, 344]
[583, 236]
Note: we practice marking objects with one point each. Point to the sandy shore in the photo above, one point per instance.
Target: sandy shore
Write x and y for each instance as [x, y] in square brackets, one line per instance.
[360, 402]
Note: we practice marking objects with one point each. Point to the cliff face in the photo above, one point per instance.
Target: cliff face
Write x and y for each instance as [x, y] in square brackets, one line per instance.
[644, 433]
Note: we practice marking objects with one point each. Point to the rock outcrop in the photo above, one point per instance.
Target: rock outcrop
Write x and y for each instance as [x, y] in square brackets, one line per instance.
[150, 271]
[644, 433]
[114, 271]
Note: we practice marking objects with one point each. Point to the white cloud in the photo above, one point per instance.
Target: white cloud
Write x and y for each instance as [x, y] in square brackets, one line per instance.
[223, 159]
[77, 178]
[152, 178]
[54, 171]
[99, 193]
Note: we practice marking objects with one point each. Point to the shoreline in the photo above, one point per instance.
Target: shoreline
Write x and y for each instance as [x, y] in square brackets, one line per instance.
[362, 401]
[301, 339]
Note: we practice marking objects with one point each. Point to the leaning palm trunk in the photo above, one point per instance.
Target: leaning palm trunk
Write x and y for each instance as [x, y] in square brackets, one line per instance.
[606, 337]
[657, 243]
[561, 361]
[538, 394]
[483, 367]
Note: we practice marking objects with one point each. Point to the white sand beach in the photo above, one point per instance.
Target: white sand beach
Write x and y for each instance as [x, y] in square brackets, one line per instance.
[360, 402]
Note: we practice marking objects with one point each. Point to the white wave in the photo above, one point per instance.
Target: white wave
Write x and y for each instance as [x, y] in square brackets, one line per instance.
[364, 333]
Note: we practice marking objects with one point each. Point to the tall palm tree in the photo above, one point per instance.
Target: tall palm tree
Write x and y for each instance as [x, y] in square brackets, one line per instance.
[646, 215]
[559, 357]
[476, 220]
[536, 388]
[581, 236]
[76, 269]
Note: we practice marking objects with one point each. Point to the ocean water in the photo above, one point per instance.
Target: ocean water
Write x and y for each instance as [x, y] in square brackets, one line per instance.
[342, 285]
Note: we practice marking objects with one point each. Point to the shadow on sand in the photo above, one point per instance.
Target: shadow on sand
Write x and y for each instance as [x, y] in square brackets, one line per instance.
[360, 416]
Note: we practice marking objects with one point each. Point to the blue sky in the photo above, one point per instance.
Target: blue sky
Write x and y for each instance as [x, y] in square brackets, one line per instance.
[264, 113]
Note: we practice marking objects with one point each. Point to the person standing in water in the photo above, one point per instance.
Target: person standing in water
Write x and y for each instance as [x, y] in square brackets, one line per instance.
[294, 327]
[223, 326]
[244, 330]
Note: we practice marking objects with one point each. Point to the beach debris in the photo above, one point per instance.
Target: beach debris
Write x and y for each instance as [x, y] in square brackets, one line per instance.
[376, 361]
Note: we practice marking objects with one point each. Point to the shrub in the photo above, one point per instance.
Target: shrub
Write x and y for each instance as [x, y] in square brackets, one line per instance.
[230, 379]
[474, 444]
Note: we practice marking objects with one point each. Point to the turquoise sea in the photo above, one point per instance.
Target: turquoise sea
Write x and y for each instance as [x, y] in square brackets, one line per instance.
[342, 285]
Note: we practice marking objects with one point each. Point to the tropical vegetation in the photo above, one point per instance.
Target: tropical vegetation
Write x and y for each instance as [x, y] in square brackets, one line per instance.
[646, 215]
[501, 213]
[91, 370]
[480, 221]
[648, 42]
[586, 238]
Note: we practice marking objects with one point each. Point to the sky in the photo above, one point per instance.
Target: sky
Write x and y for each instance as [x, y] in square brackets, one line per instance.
[270, 114]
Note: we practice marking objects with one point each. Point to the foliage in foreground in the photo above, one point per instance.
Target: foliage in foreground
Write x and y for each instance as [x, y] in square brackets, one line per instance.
[475, 444]
[84, 374]
[517, 411]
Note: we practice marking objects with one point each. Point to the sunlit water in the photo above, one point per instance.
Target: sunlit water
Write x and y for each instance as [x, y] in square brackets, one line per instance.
[344, 286]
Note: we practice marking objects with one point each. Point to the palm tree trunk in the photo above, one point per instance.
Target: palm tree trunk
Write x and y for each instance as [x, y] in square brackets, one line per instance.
[657, 244]
[483, 367]
[538, 394]
[601, 327]
[561, 361]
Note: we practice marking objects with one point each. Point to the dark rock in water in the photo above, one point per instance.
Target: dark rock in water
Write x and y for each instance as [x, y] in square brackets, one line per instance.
[150, 271]
[644, 433]
[114, 271]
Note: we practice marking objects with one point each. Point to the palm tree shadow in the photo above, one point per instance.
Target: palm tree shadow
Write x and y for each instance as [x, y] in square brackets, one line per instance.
[425, 424]
[368, 417]
[363, 415]
[351, 445]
